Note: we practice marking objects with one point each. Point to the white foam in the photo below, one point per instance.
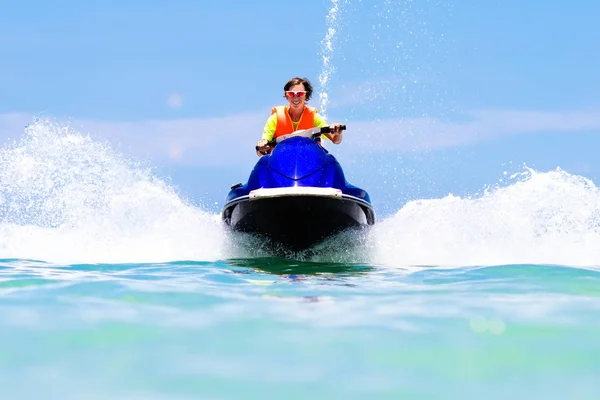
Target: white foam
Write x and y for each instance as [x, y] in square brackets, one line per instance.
[542, 218]
[67, 198]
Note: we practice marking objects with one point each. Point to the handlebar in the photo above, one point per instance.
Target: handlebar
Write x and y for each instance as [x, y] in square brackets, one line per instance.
[327, 129]
[312, 133]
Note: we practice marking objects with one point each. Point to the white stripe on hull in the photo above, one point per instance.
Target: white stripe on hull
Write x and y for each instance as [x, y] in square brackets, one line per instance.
[295, 191]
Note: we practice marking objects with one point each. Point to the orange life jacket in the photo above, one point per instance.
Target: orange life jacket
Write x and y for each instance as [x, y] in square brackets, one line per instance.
[284, 121]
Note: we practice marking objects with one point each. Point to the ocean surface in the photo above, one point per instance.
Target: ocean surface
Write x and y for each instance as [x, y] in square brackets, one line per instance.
[113, 287]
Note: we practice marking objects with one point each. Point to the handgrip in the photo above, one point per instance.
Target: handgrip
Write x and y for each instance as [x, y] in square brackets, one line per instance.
[270, 143]
[327, 129]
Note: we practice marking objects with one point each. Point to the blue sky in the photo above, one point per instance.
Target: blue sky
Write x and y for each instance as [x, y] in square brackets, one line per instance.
[439, 96]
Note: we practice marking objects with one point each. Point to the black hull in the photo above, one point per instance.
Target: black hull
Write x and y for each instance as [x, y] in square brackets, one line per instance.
[297, 222]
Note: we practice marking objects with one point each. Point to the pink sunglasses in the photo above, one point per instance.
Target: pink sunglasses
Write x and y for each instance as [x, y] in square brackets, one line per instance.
[299, 93]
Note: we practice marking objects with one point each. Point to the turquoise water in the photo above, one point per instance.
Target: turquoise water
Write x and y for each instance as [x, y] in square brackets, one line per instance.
[248, 328]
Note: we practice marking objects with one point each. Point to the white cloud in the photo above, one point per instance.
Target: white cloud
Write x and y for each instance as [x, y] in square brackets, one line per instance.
[205, 141]
[197, 141]
[477, 126]
[13, 125]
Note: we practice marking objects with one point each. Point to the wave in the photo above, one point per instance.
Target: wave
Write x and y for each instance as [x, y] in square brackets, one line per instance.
[69, 198]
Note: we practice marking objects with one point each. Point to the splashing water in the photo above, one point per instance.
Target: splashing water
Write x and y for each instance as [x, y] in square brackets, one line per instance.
[543, 218]
[327, 48]
[398, 67]
[65, 197]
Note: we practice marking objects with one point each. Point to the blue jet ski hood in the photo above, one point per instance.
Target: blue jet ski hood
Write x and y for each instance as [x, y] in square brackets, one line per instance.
[308, 155]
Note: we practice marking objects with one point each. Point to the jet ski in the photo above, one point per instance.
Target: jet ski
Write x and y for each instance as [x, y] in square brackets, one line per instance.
[297, 195]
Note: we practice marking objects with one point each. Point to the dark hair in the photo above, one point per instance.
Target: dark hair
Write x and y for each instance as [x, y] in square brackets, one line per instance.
[297, 81]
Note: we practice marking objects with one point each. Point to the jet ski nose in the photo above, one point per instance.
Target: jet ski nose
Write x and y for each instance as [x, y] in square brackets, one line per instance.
[308, 161]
